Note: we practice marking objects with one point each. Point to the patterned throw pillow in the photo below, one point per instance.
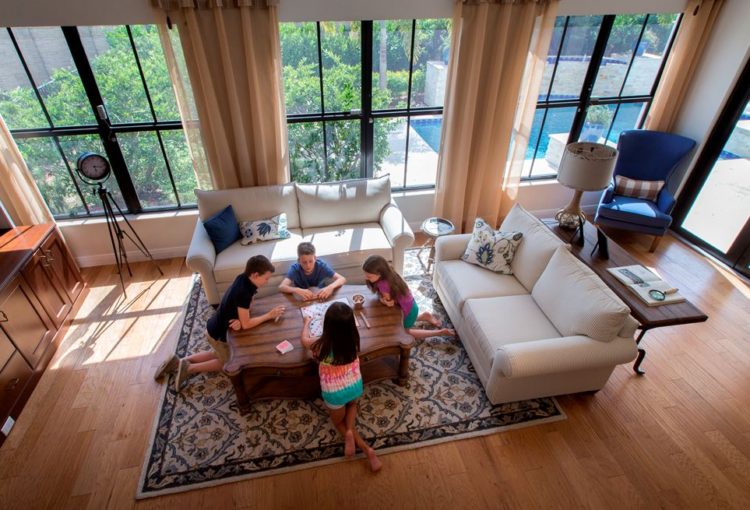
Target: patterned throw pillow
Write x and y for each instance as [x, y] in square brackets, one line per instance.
[264, 230]
[492, 249]
[647, 190]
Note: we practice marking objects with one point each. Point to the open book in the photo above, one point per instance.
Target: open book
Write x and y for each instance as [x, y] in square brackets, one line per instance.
[646, 285]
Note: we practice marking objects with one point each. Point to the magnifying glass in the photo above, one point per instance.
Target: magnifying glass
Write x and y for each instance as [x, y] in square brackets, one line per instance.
[657, 295]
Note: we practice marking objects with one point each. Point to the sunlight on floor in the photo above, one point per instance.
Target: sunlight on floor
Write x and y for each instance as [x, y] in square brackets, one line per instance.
[109, 326]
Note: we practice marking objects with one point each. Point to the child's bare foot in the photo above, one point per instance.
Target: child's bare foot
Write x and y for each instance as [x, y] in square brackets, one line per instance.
[349, 448]
[446, 332]
[375, 463]
[434, 321]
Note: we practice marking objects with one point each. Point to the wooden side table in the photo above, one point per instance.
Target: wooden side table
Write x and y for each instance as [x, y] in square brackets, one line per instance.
[434, 227]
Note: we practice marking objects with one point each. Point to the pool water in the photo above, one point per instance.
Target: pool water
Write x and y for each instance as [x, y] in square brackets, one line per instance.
[558, 121]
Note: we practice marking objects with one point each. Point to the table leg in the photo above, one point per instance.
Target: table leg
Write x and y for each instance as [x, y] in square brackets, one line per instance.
[641, 354]
[403, 366]
[243, 401]
[431, 257]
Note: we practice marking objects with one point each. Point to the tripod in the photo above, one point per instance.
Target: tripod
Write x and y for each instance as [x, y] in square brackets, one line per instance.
[115, 232]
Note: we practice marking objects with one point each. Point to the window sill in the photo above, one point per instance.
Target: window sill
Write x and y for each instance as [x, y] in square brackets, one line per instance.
[146, 216]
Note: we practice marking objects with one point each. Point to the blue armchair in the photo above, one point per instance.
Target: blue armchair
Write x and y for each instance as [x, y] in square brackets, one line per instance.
[645, 156]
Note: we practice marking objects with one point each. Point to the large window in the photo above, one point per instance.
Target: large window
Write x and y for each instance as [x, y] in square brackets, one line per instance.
[65, 91]
[599, 80]
[365, 99]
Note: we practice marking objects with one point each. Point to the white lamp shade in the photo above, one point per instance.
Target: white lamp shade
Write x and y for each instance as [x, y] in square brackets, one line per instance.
[587, 166]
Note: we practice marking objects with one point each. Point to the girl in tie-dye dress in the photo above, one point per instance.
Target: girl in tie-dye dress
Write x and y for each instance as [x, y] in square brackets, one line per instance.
[336, 351]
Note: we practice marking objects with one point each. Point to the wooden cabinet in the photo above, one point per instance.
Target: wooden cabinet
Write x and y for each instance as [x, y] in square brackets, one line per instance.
[40, 285]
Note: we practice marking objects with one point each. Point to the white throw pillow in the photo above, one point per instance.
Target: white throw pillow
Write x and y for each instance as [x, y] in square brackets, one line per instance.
[264, 230]
[577, 301]
[491, 249]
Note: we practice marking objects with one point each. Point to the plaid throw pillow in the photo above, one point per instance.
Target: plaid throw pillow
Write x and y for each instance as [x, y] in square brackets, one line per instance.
[647, 190]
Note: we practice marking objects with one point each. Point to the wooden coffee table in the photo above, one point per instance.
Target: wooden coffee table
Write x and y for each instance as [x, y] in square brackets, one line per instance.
[258, 371]
[649, 317]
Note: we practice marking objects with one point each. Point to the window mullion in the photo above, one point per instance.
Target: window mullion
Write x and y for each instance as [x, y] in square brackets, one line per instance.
[408, 100]
[70, 173]
[655, 86]
[322, 105]
[588, 83]
[367, 122]
[108, 138]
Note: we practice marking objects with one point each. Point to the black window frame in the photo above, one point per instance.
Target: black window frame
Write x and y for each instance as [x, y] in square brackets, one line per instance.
[106, 131]
[367, 115]
[585, 99]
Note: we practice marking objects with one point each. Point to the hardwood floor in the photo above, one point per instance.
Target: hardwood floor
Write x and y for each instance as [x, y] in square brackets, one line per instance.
[678, 437]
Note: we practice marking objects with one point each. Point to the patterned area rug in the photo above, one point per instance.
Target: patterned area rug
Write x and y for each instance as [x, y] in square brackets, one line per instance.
[201, 440]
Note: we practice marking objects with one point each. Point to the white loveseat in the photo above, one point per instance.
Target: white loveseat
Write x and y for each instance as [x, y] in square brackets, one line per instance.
[551, 328]
[347, 221]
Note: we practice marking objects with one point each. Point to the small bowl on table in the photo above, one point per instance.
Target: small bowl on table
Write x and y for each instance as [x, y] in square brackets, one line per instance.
[358, 300]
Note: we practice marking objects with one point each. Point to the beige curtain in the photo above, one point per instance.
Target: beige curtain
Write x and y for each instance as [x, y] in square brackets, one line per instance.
[695, 29]
[18, 192]
[488, 75]
[170, 43]
[233, 58]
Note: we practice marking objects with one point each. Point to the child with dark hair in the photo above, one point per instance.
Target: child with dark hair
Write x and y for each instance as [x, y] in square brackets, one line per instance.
[233, 312]
[336, 351]
[382, 279]
[310, 272]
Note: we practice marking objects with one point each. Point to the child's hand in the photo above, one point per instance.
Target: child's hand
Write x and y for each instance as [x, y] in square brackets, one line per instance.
[277, 311]
[305, 294]
[387, 302]
[324, 293]
[235, 325]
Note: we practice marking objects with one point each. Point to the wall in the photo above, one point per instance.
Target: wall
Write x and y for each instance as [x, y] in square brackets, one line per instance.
[723, 59]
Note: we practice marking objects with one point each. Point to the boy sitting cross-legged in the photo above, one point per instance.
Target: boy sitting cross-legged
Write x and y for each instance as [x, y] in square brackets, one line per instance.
[310, 271]
[234, 313]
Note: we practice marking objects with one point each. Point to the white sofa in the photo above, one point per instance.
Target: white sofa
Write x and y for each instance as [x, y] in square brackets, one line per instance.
[347, 221]
[551, 328]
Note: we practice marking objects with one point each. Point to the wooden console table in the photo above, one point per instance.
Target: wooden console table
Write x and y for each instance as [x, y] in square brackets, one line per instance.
[649, 317]
[258, 371]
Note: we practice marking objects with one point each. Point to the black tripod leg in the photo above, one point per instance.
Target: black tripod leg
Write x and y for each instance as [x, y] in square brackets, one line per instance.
[139, 243]
[112, 228]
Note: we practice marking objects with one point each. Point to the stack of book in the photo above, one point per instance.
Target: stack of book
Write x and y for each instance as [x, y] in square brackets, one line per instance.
[646, 285]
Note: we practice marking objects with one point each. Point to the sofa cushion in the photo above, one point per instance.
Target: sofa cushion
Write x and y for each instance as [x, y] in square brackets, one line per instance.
[282, 253]
[577, 301]
[491, 249]
[222, 229]
[251, 203]
[497, 321]
[463, 281]
[355, 201]
[536, 249]
[349, 245]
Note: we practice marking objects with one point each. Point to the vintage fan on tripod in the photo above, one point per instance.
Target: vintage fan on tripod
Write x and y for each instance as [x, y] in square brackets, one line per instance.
[94, 169]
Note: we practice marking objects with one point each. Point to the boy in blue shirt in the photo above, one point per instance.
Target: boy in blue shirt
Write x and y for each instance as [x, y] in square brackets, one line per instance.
[309, 271]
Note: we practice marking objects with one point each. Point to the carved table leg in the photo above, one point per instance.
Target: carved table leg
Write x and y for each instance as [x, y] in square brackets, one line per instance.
[403, 366]
[641, 354]
[243, 401]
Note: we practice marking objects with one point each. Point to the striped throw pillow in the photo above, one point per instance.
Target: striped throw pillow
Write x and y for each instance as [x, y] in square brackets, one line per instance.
[647, 190]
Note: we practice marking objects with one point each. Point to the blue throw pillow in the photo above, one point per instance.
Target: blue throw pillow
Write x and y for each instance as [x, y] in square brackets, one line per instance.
[223, 229]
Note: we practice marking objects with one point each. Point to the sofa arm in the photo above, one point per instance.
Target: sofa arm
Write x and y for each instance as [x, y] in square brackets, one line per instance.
[565, 354]
[451, 247]
[398, 232]
[201, 258]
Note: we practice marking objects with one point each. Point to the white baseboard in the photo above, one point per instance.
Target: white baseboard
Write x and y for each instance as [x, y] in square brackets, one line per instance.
[103, 259]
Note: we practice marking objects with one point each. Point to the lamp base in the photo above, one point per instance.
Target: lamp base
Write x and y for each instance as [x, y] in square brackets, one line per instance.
[570, 220]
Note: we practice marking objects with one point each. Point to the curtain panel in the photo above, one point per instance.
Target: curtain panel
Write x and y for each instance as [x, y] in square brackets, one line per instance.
[696, 26]
[18, 191]
[233, 56]
[495, 68]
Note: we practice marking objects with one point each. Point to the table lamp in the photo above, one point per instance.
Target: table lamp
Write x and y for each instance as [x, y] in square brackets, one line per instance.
[585, 166]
